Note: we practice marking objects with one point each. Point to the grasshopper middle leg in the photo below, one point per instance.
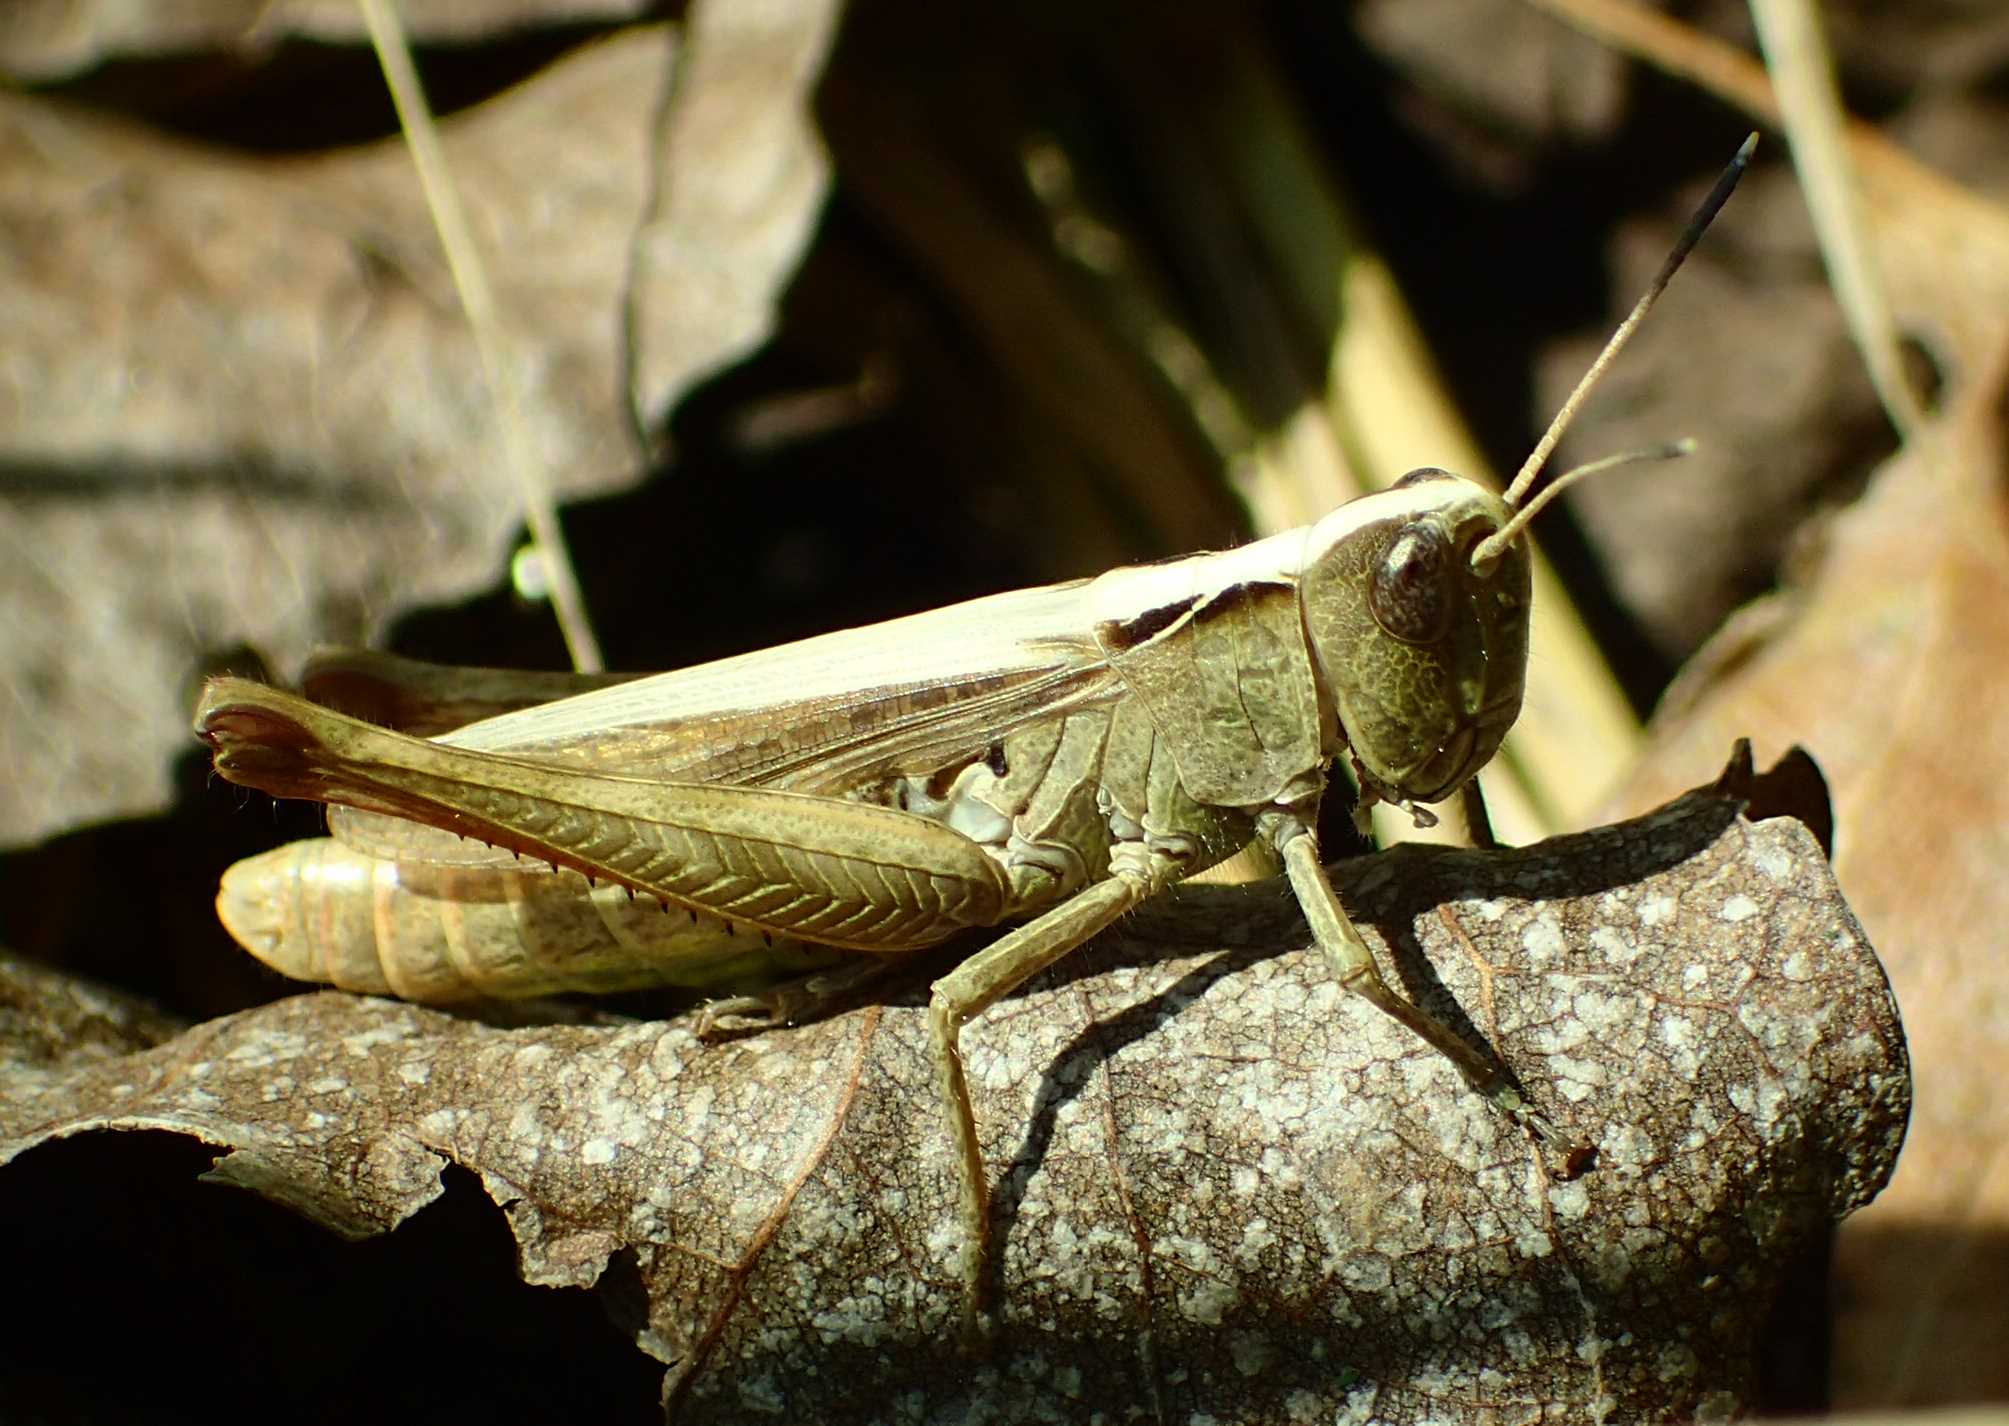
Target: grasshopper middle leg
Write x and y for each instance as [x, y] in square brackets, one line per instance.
[965, 993]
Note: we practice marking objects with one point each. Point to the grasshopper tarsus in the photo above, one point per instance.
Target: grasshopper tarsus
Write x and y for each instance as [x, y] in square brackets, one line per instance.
[805, 997]
[733, 1019]
[979, 1326]
[1510, 1100]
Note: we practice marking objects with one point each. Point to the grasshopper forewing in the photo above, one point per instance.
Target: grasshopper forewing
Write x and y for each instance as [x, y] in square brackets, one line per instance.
[1049, 758]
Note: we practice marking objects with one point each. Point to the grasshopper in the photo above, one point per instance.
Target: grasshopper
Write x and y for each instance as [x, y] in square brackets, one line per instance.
[1051, 757]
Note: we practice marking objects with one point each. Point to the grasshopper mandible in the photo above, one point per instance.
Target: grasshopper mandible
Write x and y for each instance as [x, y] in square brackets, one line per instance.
[1051, 757]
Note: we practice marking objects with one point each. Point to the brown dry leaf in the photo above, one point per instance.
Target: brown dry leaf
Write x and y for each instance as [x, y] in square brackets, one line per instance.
[1888, 666]
[1886, 661]
[1228, 1188]
[43, 40]
[240, 404]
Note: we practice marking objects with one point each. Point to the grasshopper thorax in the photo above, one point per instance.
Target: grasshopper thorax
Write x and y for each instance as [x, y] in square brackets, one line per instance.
[1421, 646]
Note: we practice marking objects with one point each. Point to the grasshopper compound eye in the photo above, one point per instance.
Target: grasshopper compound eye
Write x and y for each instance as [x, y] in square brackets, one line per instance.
[1410, 590]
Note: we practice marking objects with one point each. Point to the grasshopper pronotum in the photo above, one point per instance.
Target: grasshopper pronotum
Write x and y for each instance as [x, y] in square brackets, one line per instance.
[1059, 754]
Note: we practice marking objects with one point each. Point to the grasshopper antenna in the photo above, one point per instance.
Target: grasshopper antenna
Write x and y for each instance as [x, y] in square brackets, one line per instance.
[1490, 548]
[1495, 544]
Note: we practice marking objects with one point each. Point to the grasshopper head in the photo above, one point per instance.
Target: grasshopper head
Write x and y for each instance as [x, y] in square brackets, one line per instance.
[1420, 635]
[1416, 600]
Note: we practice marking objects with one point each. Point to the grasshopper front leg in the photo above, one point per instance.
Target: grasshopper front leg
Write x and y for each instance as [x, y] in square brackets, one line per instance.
[1353, 966]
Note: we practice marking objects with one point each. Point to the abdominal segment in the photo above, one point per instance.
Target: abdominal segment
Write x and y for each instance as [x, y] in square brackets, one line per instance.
[320, 911]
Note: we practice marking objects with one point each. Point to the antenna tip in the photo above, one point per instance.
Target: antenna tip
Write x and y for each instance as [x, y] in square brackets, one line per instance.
[1746, 149]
